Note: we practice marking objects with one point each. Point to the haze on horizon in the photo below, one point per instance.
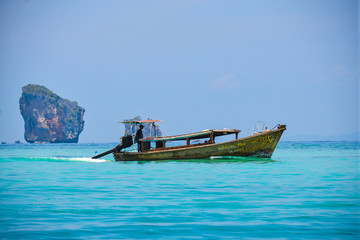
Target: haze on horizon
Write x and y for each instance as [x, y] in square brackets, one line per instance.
[193, 64]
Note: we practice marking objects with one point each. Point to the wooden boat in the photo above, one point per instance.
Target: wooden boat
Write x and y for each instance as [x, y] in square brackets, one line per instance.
[261, 144]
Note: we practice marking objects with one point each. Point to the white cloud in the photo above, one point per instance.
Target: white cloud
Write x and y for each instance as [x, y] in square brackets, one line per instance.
[225, 82]
[341, 71]
[345, 75]
[339, 75]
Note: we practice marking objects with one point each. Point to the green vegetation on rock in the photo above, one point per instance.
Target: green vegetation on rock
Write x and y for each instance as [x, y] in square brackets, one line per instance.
[36, 89]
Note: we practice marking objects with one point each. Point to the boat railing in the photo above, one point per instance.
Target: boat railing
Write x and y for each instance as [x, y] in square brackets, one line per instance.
[178, 147]
[260, 127]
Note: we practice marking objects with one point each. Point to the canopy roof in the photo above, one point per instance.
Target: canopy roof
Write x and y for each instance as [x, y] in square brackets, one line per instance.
[140, 121]
[197, 135]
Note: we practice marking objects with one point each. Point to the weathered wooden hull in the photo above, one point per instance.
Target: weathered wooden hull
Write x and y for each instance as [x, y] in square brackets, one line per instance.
[262, 145]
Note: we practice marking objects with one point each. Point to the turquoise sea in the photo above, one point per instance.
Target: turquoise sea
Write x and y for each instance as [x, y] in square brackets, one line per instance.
[307, 190]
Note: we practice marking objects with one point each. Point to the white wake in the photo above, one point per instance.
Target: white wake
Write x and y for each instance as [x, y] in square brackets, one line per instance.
[72, 159]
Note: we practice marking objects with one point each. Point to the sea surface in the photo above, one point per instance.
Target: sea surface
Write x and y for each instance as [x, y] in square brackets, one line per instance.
[307, 190]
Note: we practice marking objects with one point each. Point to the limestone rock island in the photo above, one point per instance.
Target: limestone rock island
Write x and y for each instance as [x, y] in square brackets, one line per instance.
[48, 117]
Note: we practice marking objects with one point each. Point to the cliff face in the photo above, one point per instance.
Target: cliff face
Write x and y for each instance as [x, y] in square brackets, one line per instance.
[148, 128]
[48, 117]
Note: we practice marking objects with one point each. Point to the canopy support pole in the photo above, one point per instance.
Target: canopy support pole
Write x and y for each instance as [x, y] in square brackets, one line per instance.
[154, 129]
[212, 138]
[132, 135]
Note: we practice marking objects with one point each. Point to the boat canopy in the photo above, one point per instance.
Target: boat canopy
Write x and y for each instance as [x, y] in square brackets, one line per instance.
[140, 121]
[196, 135]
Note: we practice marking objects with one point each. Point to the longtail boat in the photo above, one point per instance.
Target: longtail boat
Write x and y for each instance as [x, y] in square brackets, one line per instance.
[197, 145]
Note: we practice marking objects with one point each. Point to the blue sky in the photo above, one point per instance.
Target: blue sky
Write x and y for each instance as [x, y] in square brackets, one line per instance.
[194, 64]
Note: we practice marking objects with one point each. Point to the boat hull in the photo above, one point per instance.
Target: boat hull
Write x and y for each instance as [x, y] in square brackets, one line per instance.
[261, 145]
